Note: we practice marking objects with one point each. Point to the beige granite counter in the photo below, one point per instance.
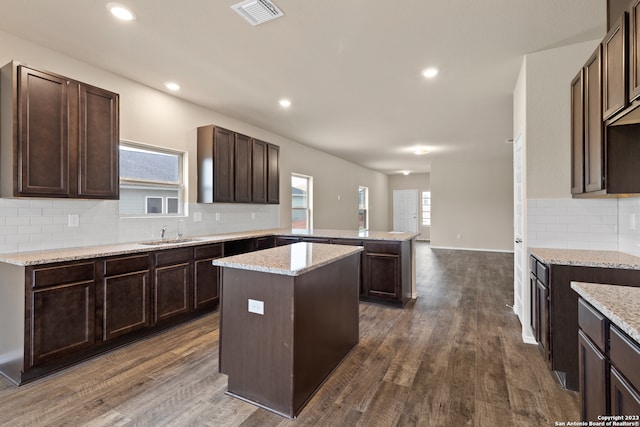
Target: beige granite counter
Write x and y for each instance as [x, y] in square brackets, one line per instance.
[620, 304]
[349, 234]
[289, 260]
[79, 253]
[586, 258]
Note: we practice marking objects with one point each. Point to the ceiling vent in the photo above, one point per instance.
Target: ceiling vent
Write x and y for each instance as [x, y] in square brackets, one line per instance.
[257, 11]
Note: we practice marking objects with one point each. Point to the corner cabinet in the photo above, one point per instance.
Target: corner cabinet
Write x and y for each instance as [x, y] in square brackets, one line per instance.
[59, 136]
[235, 168]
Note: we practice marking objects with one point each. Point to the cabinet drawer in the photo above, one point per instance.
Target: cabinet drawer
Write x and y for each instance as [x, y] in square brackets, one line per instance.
[533, 264]
[117, 266]
[282, 241]
[210, 251]
[173, 256]
[625, 356]
[51, 276]
[314, 240]
[542, 272]
[382, 247]
[593, 324]
[347, 242]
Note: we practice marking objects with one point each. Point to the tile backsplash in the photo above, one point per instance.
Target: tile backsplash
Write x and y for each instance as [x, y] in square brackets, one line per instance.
[573, 223]
[42, 224]
[597, 224]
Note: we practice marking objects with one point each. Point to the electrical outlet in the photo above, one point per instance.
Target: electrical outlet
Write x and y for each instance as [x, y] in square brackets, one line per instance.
[256, 306]
[253, 215]
[217, 216]
[74, 220]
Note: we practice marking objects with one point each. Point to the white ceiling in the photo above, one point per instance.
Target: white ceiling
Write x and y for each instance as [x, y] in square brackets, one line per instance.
[350, 67]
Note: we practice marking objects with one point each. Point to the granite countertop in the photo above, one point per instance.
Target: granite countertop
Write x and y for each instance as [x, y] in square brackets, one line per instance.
[88, 252]
[350, 234]
[289, 260]
[620, 304]
[587, 258]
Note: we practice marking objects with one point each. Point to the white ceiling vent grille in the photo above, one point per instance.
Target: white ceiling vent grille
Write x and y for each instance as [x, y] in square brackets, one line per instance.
[257, 11]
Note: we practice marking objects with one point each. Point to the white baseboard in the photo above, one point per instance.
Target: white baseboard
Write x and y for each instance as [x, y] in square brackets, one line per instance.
[472, 249]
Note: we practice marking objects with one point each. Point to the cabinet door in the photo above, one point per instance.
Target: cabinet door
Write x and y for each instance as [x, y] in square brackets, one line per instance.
[242, 170]
[535, 319]
[223, 162]
[62, 321]
[625, 399]
[206, 291]
[259, 172]
[634, 50]
[593, 135]
[381, 275]
[98, 144]
[614, 48]
[126, 304]
[543, 319]
[594, 370]
[273, 174]
[577, 135]
[171, 291]
[43, 134]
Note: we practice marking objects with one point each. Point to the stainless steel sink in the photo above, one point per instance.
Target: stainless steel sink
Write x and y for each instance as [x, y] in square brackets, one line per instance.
[168, 241]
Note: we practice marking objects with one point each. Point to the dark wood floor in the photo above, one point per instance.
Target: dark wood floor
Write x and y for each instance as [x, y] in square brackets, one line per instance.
[453, 357]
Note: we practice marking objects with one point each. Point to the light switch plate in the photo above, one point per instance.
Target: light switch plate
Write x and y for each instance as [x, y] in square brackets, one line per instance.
[256, 306]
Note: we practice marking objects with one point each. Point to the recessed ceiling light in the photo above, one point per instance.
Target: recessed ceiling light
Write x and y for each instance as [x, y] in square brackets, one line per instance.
[430, 72]
[121, 12]
[420, 151]
[172, 86]
[406, 172]
[285, 103]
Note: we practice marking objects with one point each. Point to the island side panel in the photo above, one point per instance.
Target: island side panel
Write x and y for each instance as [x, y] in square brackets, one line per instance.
[256, 351]
[12, 319]
[326, 323]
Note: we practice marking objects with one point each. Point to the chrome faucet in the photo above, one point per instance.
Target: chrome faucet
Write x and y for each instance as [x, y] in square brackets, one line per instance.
[162, 232]
[180, 229]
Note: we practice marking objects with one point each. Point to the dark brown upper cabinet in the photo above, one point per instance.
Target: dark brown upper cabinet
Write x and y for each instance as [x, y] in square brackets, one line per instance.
[614, 54]
[243, 176]
[634, 50]
[577, 134]
[273, 174]
[586, 127]
[59, 136]
[259, 171]
[235, 168]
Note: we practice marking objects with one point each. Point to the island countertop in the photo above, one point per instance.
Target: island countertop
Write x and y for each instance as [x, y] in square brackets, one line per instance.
[587, 258]
[289, 260]
[620, 304]
[88, 252]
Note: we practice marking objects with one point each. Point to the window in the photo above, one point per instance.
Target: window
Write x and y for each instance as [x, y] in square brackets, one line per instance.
[301, 198]
[363, 208]
[151, 180]
[426, 208]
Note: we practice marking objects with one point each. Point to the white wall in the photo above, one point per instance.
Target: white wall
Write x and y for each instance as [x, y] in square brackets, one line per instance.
[472, 204]
[153, 117]
[417, 181]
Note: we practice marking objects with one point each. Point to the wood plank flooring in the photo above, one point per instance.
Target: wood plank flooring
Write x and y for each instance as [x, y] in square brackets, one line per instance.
[453, 357]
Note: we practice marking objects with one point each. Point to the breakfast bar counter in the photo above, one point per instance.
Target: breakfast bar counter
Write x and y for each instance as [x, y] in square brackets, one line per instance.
[288, 317]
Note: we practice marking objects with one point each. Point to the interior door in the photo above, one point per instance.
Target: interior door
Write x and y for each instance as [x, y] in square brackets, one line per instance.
[405, 210]
[521, 295]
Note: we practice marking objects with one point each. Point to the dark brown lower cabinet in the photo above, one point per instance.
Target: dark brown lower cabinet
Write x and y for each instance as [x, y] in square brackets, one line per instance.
[206, 287]
[594, 370]
[62, 321]
[625, 399]
[172, 284]
[609, 362]
[126, 296]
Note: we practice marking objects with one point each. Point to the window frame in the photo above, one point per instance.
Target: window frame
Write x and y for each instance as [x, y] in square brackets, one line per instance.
[309, 205]
[180, 186]
[424, 221]
[365, 226]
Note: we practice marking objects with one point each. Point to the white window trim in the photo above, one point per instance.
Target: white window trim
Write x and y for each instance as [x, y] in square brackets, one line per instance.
[182, 186]
[309, 209]
[366, 207]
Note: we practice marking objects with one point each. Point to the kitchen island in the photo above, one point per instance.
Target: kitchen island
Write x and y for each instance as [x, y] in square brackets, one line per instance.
[289, 316]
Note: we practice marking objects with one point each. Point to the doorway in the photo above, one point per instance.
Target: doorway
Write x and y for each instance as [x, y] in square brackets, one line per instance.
[405, 210]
